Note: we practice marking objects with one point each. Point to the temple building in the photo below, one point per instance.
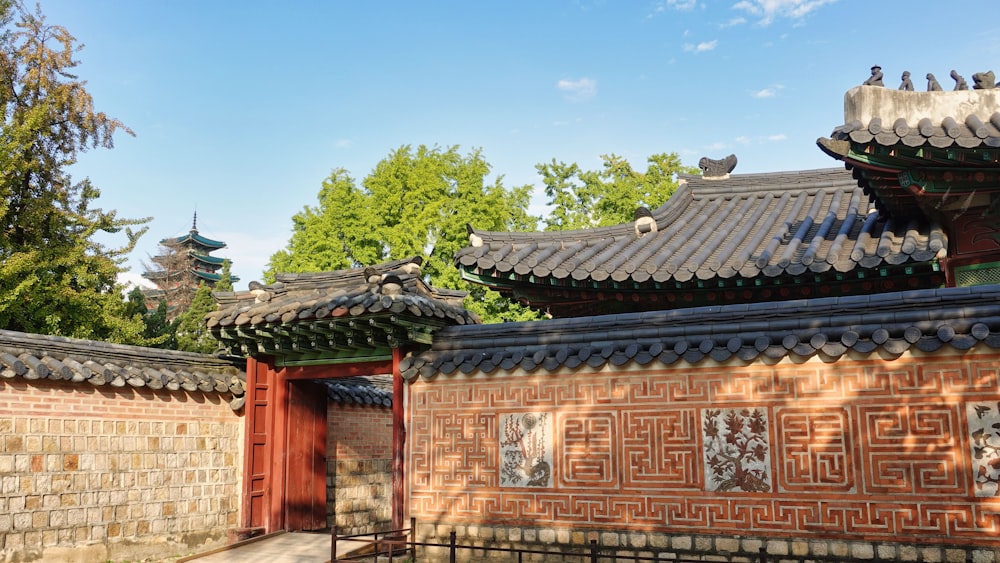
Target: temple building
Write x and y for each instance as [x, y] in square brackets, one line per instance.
[802, 363]
[184, 264]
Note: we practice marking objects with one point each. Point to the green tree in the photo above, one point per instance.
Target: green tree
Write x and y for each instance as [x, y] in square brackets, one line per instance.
[158, 331]
[415, 202]
[54, 277]
[583, 199]
[192, 333]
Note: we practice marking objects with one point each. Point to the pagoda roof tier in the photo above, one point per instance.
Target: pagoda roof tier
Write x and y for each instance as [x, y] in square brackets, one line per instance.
[215, 261]
[337, 316]
[193, 239]
[736, 238]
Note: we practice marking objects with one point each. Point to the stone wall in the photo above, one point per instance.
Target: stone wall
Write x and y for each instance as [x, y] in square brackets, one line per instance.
[102, 473]
[865, 451]
[359, 468]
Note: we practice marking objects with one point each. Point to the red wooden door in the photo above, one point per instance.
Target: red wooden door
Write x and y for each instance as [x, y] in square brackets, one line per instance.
[305, 473]
[257, 456]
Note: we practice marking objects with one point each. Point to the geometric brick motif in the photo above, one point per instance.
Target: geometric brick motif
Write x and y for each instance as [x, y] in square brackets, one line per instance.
[868, 449]
[814, 449]
[912, 449]
[660, 448]
[587, 456]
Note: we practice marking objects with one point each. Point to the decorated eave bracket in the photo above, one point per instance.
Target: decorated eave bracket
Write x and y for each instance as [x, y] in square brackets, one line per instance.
[331, 340]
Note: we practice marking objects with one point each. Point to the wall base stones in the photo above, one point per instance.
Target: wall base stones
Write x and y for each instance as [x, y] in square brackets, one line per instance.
[734, 549]
[361, 499]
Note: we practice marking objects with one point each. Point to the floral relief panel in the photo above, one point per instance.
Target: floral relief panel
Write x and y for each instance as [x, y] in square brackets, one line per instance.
[526, 450]
[984, 429]
[736, 444]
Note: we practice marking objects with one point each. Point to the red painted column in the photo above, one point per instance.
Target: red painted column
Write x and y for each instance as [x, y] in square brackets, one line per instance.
[398, 441]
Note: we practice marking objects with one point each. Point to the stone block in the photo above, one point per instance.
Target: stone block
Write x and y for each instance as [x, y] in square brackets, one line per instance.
[930, 554]
[800, 548]
[954, 555]
[862, 551]
[609, 539]
[751, 545]
[777, 547]
[659, 541]
[681, 542]
[727, 544]
[703, 543]
[839, 549]
[886, 552]
[637, 540]
[907, 553]
[983, 556]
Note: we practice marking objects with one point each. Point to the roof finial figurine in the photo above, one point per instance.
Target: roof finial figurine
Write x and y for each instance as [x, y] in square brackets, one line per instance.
[932, 84]
[711, 168]
[984, 80]
[907, 84]
[876, 78]
[960, 83]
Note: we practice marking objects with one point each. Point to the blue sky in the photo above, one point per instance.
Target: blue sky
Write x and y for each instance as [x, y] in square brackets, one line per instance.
[242, 108]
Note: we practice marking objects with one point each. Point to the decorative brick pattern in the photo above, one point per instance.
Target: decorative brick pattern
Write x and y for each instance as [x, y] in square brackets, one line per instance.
[117, 473]
[869, 450]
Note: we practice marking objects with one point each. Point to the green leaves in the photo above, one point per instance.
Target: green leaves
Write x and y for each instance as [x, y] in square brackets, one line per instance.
[414, 202]
[54, 277]
[583, 199]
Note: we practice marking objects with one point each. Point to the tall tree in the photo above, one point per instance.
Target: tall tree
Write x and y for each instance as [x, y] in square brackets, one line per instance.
[54, 277]
[415, 202]
[597, 198]
[192, 334]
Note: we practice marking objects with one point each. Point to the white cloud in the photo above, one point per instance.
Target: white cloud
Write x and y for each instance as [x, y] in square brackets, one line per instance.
[133, 279]
[743, 140]
[578, 90]
[769, 92]
[738, 20]
[715, 146]
[769, 10]
[701, 47]
[343, 143]
[677, 5]
[777, 137]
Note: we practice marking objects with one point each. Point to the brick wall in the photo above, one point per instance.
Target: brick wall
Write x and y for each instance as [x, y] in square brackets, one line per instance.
[359, 468]
[860, 452]
[103, 473]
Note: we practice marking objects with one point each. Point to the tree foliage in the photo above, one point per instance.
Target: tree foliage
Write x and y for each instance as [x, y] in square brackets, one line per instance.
[415, 202]
[55, 278]
[583, 199]
[192, 334]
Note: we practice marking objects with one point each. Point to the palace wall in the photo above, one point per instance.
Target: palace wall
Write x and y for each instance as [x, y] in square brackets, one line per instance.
[863, 458]
[91, 474]
[359, 468]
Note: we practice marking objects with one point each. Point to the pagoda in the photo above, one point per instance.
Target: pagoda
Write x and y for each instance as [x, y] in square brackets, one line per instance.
[186, 263]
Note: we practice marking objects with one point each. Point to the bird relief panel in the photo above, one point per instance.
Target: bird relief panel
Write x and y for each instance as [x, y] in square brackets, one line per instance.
[736, 444]
[526, 450]
[984, 430]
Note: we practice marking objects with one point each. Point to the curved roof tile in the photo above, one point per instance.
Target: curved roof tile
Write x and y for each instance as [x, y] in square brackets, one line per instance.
[894, 323]
[748, 225]
[34, 357]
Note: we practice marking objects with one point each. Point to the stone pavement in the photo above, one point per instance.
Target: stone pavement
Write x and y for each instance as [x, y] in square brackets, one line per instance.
[295, 547]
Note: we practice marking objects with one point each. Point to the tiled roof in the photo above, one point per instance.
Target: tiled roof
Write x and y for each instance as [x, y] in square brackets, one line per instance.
[395, 287]
[967, 132]
[890, 323]
[33, 356]
[326, 305]
[967, 119]
[374, 390]
[195, 239]
[747, 225]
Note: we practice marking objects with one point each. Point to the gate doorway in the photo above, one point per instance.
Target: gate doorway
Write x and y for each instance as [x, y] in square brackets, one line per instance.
[285, 484]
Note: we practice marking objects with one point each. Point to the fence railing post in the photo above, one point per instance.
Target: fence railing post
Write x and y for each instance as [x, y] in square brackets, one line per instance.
[763, 555]
[333, 543]
[593, 551]
[413, 537]
[451, 549]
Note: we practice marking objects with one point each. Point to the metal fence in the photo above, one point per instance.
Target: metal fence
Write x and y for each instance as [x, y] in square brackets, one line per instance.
[393, 545]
